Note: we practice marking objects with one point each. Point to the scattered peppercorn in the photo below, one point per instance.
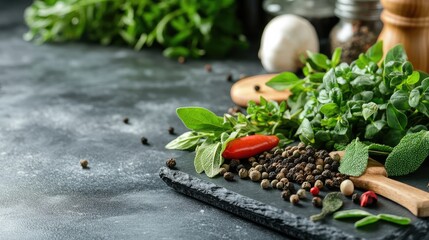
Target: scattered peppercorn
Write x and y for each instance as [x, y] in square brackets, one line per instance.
[243, 173]
[126, 120]
[280, 185]
[286, 195]
[314, 191]
[226, 166]
[171, 163]
[222, 171]
[294, 199]
[144, 141]
[255, 175]
[229, 176]
[208, 68]
[274, 183]
[181, 60]
[229, 77]
[306, 186]
[301, 193]
[347, 188]
[264, 175]
[329, 183]
[257, 88]
[171, 131]
[84, 163]
[317, 202]
[265, 183]
[318, 184]
[356, 198]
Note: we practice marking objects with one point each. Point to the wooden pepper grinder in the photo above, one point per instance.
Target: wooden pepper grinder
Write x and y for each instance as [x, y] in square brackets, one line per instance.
[407, 22]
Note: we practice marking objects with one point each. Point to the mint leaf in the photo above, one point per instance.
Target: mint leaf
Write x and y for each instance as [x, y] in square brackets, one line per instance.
[368, 109]
[305, 131]
[284, 81]
[409, 154]
[355, 159]
[200, 119]
[186, 141]
[395, 118]
[396, 53]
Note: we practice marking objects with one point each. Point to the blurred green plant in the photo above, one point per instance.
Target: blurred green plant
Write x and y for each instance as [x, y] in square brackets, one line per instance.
[184, 28]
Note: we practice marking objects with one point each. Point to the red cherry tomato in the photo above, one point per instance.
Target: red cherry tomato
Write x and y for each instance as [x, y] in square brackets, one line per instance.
[249, 146]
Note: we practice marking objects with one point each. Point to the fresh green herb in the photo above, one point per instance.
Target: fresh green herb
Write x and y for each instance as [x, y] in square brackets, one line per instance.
[368, 218]
[355, 159]
[189, 28]
[210, 133]
[409, 154]
[331, 203]
[377, 103]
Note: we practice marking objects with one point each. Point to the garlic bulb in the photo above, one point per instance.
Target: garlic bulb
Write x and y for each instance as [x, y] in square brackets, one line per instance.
[284, 40]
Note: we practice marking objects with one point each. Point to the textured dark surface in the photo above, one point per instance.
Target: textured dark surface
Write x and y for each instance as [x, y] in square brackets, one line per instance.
[248, 200]
[60, 103]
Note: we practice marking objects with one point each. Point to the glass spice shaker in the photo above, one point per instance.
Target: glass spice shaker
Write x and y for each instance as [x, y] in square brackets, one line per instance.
[358, 28]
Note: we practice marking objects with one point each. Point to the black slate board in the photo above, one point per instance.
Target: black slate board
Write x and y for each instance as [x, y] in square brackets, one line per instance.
[246, 199]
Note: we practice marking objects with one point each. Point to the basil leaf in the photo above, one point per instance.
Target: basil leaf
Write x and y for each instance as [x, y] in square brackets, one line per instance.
[305, 131]
[200, 119]
[329, 109]
[397, 53]
[186, 141]
[355, 159]
[399, 99]
[375, 52]
[409, 154]
[284, 81]
[395, 118]
[413, 78]
[319, 59]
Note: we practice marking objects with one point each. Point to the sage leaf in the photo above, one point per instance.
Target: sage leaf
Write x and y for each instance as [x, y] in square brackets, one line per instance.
[186, 141]
[198, 160]
[200, 119]
[331, 203]
[379, 149]
[208, 156]
[409, 154]
[353, 213]
[366, 221]
[355, 159]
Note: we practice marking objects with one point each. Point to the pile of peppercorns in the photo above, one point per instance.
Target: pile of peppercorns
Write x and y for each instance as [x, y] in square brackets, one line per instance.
[279, 168]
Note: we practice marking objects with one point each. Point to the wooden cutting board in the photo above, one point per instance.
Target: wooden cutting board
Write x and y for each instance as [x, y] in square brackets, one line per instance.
[244, 90]
[375, 179]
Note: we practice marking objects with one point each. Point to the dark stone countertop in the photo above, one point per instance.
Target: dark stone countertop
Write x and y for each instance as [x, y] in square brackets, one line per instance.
[60, 103]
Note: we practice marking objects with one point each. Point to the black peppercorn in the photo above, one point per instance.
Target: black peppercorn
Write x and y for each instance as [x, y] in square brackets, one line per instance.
[356, 198]
[229, 176]
[240, 166]
[144, 141]
[171, 163]
[234, 164]
[329, 183]
[171, 131]
[84, 163]
[317, 202]
[126, 120]
[257, 88]
[326, 173]
[328, 160]
[272, 175]
[286, 195]
[229, 77]
[289, 186]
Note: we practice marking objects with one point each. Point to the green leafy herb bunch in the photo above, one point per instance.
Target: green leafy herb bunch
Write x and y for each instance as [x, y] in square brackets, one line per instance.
[186, 28]
[383, 101]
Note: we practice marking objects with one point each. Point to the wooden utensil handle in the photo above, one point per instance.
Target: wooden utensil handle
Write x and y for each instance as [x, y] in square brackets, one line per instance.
[415, 200]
